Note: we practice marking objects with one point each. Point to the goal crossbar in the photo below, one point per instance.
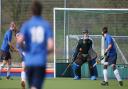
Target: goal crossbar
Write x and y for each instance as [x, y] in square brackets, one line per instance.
[97, 9]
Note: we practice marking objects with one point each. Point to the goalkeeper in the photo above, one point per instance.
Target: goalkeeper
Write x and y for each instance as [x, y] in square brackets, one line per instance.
[81, 56]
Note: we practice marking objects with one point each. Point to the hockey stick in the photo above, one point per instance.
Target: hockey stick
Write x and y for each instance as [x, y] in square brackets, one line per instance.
[63, 73]
[98, 61]
[66, 68]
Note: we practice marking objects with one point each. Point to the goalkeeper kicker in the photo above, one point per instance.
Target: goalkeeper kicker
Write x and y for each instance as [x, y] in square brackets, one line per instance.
[83, 53]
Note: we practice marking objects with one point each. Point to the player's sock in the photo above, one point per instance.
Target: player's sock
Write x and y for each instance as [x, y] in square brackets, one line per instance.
[105, 73]
[23, 77]
[8, 71]
[33, 87]
[117, 75]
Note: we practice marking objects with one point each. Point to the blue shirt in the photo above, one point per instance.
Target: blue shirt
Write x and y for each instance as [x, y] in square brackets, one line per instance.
[7, 38]
[36, 32]
[108, 41]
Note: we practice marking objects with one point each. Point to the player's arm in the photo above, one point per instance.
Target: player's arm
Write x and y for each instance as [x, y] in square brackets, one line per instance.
[91, 44]
[9, 37]
[76, 51]
[50, 45]
[91, 52]
[49, 37]
[109, 46]
[20, 40]
[12, 48]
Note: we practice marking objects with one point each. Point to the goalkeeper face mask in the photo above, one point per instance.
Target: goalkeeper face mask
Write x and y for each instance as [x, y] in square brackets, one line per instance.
[86, 36]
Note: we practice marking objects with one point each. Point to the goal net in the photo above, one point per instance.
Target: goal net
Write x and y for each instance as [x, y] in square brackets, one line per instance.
[98, 46]
[70, 22]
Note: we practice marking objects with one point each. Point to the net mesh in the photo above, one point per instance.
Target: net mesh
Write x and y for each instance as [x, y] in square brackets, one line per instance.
[119, 41]
[73, 22]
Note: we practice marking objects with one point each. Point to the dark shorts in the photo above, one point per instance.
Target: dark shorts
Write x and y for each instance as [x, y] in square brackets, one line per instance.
[81, 59]
[111, 59]
[4, 55]
[35, 76]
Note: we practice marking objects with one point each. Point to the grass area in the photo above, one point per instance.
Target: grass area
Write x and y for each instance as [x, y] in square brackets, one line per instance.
[65, 83]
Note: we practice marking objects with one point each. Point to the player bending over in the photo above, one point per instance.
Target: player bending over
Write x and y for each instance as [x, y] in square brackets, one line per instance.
[81, 56]
[6, 46]
[110, 58]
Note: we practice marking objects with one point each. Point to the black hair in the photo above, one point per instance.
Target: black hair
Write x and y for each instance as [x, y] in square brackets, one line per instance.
[36, 7]
[85, 31]
[105, 30]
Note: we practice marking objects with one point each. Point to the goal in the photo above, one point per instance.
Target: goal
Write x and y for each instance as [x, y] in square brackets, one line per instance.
[70, 22]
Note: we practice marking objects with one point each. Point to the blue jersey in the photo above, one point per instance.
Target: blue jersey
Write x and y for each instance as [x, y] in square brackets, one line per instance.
[108, 41]
[36, 32]
[7, 38]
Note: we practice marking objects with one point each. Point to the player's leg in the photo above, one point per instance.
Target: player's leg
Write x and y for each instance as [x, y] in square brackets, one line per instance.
[105, 73]
[8, 68]
[81, 59]
[117, 75]
[92, 70]
[76, 67]
[115, 70]
[9, 62]
[38, 78]
[2, 56]
[76, 71]
[2, 65]
[29, 75]
[23, 76]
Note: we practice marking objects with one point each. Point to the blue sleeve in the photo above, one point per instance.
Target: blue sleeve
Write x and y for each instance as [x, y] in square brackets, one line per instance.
[49, 33]
[109, 39]
[9, 36]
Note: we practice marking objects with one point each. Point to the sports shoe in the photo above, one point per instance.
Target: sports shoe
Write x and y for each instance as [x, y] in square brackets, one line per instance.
[8, 77]
[23, 84]
[0, 78]
[76, 78]
[121, 83]
[93, 77]
[104, 83]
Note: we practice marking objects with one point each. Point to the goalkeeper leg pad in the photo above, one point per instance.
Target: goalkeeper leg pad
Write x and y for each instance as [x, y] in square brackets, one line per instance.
[93, 77]
[93, 70]
[76, 71]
